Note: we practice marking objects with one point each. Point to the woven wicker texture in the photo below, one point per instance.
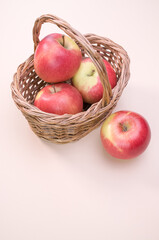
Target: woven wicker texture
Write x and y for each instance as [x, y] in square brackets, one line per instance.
[67, 128]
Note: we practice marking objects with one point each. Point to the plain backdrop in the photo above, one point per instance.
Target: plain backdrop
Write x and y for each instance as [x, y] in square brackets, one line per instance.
[77, 191]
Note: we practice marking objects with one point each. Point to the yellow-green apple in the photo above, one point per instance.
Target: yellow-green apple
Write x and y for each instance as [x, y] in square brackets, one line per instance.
[125, 134]
[59, 98]
[87, 80]
[57, 58]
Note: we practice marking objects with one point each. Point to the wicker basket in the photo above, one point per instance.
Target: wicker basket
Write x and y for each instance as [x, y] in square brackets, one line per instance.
[67, 128]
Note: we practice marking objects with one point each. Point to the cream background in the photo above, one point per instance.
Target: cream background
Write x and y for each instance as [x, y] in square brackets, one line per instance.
[76, 191]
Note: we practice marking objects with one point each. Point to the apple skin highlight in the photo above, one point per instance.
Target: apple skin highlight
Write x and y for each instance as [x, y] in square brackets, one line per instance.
[125, 134]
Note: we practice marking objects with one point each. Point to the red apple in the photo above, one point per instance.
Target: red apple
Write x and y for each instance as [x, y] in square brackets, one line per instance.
[87, 80]
[57, 58]
[59, 98]
[125, 134]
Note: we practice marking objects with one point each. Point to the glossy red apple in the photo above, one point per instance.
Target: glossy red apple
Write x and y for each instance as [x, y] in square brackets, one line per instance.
[125, 134]
[57, 58]
[87, 80]
[59, 98]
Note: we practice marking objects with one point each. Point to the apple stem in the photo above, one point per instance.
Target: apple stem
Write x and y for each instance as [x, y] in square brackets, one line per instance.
[54, 88]
[124, 127]
[63, 38]
[93, 71]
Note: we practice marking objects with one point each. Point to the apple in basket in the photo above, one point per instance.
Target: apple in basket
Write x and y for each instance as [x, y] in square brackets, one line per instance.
[87, 80]
[125, 134]
[59, 98]
[57, 58]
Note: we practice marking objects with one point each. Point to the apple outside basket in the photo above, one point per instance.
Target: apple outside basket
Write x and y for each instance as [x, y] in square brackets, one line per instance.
[68, 128]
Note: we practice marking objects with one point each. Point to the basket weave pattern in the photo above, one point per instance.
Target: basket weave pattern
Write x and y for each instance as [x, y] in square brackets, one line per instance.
[67, 128]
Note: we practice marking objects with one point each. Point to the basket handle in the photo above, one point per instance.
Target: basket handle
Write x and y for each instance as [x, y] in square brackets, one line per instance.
[83, 42]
